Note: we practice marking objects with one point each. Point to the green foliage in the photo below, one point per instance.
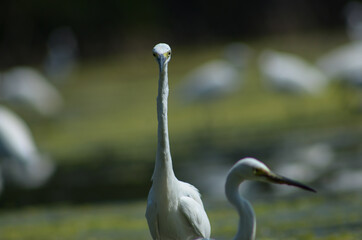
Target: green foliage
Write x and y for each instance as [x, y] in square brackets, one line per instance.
[321, 216]
[110, 113]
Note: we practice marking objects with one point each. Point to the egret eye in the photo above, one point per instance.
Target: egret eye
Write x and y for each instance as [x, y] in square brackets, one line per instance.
[258, 171]
[168, 54]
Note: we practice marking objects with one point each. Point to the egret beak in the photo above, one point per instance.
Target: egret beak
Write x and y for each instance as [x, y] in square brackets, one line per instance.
[275, 178]
[161, 60]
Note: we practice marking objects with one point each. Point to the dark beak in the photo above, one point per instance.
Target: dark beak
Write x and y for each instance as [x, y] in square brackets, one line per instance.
[275, 178]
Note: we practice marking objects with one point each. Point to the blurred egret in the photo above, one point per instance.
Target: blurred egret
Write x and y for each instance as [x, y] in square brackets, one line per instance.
[174, 208]
[289, 73]
[216, 78]
[21, 161]
[28, 86]
[62, 53]
[344, 63]
[353, 15]
[311, 161]
[250, 169]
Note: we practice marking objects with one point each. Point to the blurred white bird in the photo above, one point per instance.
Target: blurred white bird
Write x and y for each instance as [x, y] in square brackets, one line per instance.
[290, 73]
[344, 63]
[216, 78]
[345, 180]
[310, 161]
[62, 53]
[353, 15]
[21, 162]
[28, 86]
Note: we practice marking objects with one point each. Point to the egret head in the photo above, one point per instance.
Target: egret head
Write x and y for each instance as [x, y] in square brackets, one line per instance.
[162, 53]
[253, 169]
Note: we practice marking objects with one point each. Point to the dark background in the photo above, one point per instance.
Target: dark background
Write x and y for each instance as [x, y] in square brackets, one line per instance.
[106, 27]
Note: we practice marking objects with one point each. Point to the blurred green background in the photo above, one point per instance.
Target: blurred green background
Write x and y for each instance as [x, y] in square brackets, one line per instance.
[103, 139]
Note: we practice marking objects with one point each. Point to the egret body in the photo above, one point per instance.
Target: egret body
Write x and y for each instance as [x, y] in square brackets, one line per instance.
[20, 160]
[216, 78]
[174, 208]
[28, 86]
[289, 73]
[344, 63]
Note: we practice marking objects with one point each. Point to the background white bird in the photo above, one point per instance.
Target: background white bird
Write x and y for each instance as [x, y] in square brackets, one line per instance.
[216, 78]
[28, 86]
[250, 169]
[174, 208]
[290, 73]
[312, 161]
[21, 161]
[344, 63]
[62, 53]
[353, 15]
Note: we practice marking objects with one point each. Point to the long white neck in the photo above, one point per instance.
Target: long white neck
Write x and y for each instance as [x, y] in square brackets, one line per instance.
[163, 167]
[247, 221]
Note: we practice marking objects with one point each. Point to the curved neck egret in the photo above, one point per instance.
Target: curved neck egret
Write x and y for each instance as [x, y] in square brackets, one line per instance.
[251, 169]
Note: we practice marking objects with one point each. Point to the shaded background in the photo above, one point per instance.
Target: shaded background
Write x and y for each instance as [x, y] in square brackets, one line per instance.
[98, 125]
[106, 27]
[103, 138]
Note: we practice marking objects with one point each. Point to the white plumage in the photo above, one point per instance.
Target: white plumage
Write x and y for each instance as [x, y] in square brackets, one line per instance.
[211, 80]
[174, 208]
[250, 169]
[353, 14]
[27, 86]
[21, 161]
[289, 73]
[344, 63]
[216, 78]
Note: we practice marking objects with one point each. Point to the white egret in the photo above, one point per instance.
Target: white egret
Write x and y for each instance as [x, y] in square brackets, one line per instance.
[344, 63]
[28, 86]
[174, 208]
[62, 53]
[250, 169]
[216, 78]
[21, 161]
[290, 73]
[353, 15]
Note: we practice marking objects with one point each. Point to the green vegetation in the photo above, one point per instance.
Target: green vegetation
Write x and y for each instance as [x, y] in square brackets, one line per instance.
[110, 118]
[313, 217]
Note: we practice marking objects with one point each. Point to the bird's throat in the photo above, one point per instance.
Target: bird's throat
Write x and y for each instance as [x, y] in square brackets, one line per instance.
[163, 155]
